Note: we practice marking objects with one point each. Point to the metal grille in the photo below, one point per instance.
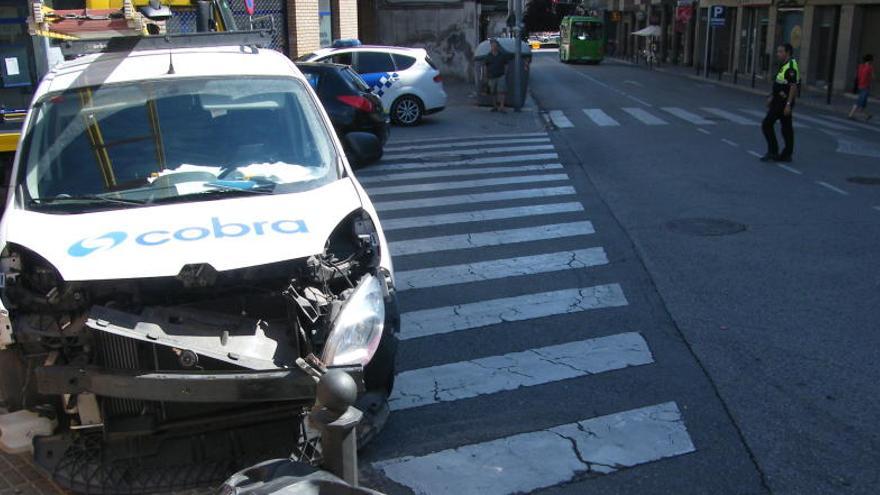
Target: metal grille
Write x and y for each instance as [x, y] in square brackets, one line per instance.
[119, 353]
[268, 15]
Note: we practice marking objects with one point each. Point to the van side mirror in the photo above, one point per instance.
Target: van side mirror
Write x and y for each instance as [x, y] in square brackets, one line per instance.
[362, 148]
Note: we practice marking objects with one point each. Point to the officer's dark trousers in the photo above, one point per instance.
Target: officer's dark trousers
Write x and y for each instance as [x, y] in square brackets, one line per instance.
[777, 112]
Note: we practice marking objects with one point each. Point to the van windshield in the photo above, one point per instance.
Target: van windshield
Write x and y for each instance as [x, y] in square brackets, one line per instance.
[149, 142]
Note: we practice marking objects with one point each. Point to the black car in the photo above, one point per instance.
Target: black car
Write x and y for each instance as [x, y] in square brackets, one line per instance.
[347, 99]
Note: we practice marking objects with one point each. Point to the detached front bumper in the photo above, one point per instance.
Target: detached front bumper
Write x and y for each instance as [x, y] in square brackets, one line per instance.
[202, 387]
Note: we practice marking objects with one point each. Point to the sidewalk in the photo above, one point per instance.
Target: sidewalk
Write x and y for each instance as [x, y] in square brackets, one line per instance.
[840, 103]
[462, 117]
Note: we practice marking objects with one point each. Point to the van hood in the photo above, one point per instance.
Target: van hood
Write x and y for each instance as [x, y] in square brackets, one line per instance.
[157, 241]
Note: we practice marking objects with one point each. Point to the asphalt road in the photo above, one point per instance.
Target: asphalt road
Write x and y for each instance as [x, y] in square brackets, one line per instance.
[630, 302]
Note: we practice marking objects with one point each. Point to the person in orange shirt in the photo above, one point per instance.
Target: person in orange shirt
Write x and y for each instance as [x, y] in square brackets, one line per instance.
[863, 84]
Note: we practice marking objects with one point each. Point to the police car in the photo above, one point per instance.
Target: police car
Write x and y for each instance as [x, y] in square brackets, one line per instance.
[185, 238]
[406, 79]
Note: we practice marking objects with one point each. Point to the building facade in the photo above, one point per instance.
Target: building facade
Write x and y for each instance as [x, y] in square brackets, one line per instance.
[830, 37]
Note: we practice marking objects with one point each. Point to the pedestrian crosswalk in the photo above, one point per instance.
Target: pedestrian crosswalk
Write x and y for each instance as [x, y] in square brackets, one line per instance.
[458, 220]
[625, 117]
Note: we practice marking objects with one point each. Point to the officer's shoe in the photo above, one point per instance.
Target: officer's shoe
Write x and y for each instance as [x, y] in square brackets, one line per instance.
[770, 158]
[783, 159]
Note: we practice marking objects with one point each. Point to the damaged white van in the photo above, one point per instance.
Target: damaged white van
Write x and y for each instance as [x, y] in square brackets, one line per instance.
[184, 247]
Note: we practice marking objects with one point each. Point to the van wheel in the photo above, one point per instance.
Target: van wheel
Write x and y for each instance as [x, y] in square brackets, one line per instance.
[407, 110]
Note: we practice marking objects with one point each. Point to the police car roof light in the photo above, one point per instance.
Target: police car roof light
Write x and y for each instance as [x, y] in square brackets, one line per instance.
[346, 43]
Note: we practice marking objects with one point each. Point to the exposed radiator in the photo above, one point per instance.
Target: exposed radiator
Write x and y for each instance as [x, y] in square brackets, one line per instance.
[119, 353]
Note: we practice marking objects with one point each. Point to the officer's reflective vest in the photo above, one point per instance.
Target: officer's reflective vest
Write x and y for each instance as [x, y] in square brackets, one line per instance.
[791, 64]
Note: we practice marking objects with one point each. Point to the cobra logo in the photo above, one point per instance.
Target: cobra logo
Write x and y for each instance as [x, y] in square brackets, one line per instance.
[215, 229]
[89, 245]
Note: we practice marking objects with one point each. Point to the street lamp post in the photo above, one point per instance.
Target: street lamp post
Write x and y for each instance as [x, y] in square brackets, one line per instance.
[517, 56]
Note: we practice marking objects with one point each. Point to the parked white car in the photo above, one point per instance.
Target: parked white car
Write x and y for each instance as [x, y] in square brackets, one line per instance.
[184, 248]
[406, 79]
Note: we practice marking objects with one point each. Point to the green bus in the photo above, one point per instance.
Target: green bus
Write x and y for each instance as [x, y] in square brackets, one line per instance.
[581, 39]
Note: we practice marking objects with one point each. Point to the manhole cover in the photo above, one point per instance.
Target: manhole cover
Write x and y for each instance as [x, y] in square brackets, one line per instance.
[868, 181]
[705, 226]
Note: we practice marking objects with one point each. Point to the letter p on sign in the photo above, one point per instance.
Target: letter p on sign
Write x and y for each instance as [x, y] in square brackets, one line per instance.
[716, 15]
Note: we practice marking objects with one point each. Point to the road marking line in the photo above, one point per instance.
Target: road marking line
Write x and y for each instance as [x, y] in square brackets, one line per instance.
[790, 169]
[560, 120]
[833, 188]
[493, 374]
[390, 167]
[876, 208]
[478, 151]
[415, 324]
[634, 83]
[639, 100]
[756, 154]
[480, 215]
[704, 131]
[472, 199]
[467, 184]
[729, 142]
[860, 125]
[458, 138]
[736, 119]
[491, 238]
[688, 116]
[371, 179]
[600, 118]
[496, 269]
[465, 143]
[529, 461]
[761, 115]
[824, 123]
[644, 116]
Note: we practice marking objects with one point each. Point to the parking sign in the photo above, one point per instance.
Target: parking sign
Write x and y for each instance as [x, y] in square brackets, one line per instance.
[716, 15]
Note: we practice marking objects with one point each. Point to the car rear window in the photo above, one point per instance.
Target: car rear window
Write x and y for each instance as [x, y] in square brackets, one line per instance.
[355, 80]
[372, 62]
[403, 62]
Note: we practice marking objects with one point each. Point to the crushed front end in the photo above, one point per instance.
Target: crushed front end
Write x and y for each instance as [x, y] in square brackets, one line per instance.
[167, 383]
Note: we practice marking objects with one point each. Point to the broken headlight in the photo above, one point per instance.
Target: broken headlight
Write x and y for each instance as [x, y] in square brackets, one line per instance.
[356, 333]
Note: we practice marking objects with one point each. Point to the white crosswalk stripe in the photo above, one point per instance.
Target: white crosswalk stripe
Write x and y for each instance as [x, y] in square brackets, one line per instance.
[477, 255]
[644, 116]
[467, 143]
[559, 119]
[493, 374]
[467, 184]
[736, 119]
[433, 173]
[823, 123]
[447, 319]
[472, 199]
[539, 459]
[480, 215]
[454, 139]
[477, 151]
[497, 269]
[760, 114]
[600, 118]
[850, 122]
[390, 167]
[491, 238]
[688, 116]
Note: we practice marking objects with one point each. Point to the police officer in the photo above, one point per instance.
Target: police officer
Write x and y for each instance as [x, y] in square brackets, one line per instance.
[780, 104]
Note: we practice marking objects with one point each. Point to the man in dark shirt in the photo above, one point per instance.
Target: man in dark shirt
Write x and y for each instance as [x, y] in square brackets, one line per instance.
[495, 67]
[779, 106]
